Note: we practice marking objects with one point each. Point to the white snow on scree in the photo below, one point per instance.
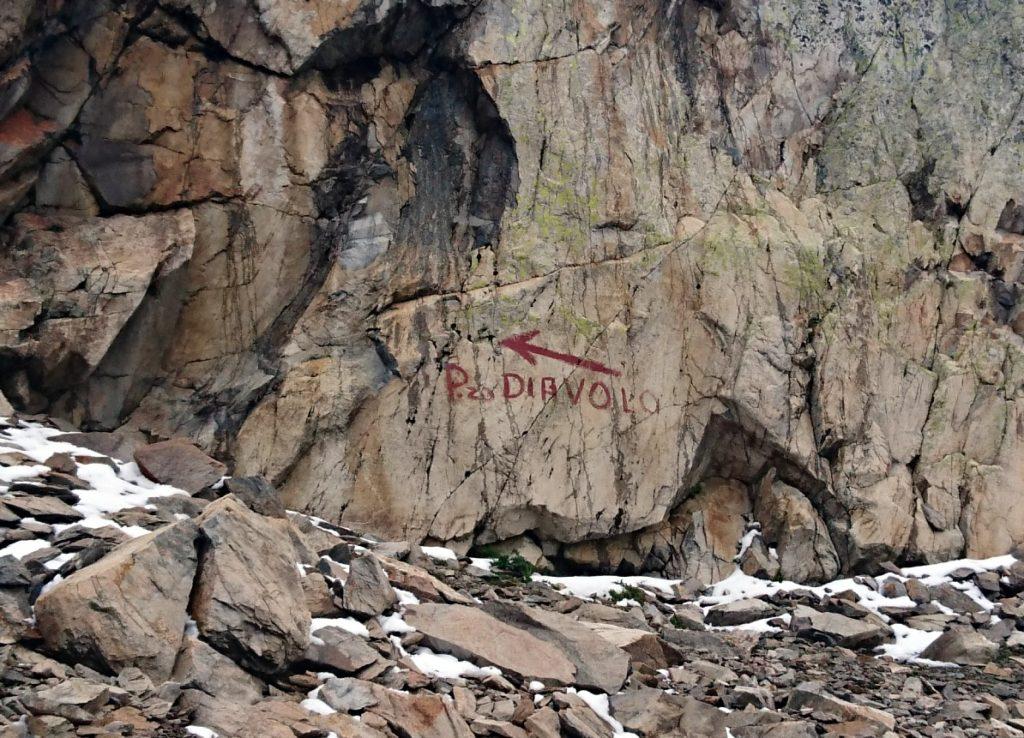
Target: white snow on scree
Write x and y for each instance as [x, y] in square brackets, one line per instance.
[909, 643]
[108, 491]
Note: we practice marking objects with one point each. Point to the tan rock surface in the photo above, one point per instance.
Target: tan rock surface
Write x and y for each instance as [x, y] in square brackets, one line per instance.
[473, 635]
[129, 608]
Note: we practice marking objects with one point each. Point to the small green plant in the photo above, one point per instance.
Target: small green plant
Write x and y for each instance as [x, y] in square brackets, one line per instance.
[627, 592]
[678, 622]
[513, 565]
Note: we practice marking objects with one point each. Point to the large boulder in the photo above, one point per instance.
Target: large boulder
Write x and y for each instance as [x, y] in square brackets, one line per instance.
[472, 634]
[199, 666]
[179, 463]
[792, 525]
[961, 645]
[367, 589]
[248, 601]
[127, 609]
[599, 664]
[834, 628]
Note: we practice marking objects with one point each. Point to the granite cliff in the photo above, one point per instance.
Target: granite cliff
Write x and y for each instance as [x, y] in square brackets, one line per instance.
[600, 280]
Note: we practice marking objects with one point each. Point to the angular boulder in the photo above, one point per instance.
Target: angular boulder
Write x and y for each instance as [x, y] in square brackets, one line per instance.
[179, 463]
[599, 664]
[200, 666]
[248, 601]
[367, 589]
[473, 635]
[128, 608]
[866, 632]
[961, 646]
[340, 650]
[739, 612]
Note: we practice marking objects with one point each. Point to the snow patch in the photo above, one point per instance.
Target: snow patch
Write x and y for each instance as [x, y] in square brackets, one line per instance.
[439, 552]
[348, 624]
[599, 704]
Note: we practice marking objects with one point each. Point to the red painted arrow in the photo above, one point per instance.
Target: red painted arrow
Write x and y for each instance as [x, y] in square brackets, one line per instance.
[520, 343]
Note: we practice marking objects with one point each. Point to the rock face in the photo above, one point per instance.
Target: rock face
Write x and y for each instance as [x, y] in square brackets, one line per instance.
[247, 600]
[129, 609]
[202, 626]
[179, 464]
[466, 632]
[609, 276]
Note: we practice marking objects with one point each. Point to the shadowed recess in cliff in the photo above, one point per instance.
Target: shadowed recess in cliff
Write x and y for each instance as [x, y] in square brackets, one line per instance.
[466, 175]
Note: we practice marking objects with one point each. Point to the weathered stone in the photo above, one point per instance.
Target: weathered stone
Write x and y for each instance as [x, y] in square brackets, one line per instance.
[341, 650]
[198, 666]
[472, 634]
[961, 646]
[298, 271]
[367, 589]
[247, 600]
[833, 628]
[127, 609]
[739, 612]
[812, 697]
[348, 694]
[179, 463]
[599, 664]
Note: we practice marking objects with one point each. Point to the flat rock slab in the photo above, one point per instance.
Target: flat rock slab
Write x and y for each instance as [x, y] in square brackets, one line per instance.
[44, 509]
[838, 629]
[961, 646]
[340, 650]
[179, 463]
[421, 583]
[127, 609]
[740, 612]
[599, 663]
[471, 634]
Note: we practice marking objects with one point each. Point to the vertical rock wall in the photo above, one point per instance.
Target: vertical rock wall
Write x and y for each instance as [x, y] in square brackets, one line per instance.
[613, 276]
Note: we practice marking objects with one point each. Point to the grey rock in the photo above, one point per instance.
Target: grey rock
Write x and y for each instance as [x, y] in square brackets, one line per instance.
[739, 612]
[247, 600]
[961, 646]
[367, 589]
[341, 650]
[866, 632]
[179, 463]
